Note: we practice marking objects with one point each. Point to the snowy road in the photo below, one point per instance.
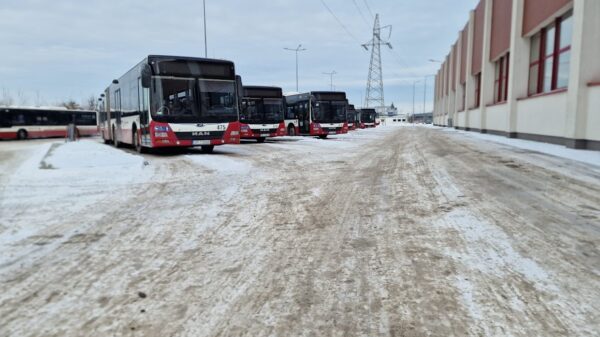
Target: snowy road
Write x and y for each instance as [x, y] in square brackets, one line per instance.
[407, 231]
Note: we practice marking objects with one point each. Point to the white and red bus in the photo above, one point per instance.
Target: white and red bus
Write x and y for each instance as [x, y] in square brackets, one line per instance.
[353, 122]
[173, 101]
[262, 113]
[319, 113]
[27, 123]
[367, 118]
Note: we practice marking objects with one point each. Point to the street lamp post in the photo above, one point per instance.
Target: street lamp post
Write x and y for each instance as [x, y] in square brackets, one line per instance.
[414, 96]
[297, 50]
[331, 76]
[205, 34]
[425, 93]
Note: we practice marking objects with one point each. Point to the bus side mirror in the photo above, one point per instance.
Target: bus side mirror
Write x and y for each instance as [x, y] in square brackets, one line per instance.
[240, 87]
[146, 76]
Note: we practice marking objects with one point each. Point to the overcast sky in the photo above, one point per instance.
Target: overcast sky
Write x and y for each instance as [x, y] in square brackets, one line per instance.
[71, 49]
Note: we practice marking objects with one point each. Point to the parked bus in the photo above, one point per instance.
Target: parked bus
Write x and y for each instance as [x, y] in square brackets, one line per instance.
[172, 101]
[319, 113]
[352, 118]
[367, 118]
[262, 113]
[26, 123]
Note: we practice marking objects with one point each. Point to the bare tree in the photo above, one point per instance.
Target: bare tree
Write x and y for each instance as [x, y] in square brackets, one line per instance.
[71, 105]
[22, 98]
[92, 102]
[7, 99]
[39, 101]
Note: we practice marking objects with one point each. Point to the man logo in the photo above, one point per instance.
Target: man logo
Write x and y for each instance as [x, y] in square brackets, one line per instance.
[200, 125]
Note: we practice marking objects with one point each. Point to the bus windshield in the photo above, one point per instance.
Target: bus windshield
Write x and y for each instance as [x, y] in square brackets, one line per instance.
[329, 112]
[351, 117]
[189, 100]
[369, 117]
[262, 111]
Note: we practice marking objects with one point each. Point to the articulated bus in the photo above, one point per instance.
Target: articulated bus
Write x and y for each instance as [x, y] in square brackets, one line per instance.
[353, 122]
[262, 113]
[367, 118]
[26, 123]
[319, 113]
[172, 101]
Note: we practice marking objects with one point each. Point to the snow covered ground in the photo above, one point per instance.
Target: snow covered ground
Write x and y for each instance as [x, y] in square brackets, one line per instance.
[584, 156]
[399, 230]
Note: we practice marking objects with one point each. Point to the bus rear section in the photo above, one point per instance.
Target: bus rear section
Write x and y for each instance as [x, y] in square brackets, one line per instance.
[29, 123]
[319, 113]
[172, 101]
[262, 113]
[368, 117]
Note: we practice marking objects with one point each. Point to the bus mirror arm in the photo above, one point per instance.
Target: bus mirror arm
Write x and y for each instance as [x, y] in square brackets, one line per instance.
[146, 76]
[240, 87]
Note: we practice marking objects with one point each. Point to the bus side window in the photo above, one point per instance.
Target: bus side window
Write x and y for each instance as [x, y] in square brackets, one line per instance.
[143, 102]
[18, 119]
[5, 119]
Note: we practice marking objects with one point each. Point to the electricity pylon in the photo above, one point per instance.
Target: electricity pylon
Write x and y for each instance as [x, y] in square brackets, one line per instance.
[375, 97]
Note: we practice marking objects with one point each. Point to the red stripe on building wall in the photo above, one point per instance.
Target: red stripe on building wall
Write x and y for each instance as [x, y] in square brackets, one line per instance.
[463, 54]
[537, 11]
[501, 24]
[454, 55]
[447, 74]
[478, 38]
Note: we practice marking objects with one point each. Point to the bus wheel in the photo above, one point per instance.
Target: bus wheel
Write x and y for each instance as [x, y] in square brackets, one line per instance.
[261, 139]
[207, 148]
[137, 144]
[323, 136]
[291, 131]
[22, 134]
[114, 135]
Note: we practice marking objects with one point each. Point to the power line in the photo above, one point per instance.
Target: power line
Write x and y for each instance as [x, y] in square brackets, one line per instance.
[339, 21]
[361, 13]
[369, 8]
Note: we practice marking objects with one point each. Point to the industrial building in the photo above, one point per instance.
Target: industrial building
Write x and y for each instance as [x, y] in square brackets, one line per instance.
[525, 69]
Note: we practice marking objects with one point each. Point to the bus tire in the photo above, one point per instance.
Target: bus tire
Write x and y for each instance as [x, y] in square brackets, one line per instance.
[22, 134]
[137, 144]
[323, 136]
[207, 148]
[115, 140]
[291, 131]
[261, 139]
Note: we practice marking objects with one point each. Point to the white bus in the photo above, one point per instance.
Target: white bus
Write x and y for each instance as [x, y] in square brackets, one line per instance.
[319, 113]
[172, 101]
[27, 123]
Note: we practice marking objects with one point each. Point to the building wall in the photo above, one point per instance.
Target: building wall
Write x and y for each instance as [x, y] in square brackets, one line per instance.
[474, 121]
[478, 37]
[593, 119]
[568, 116]
[496, 118]
[543, 115]
[536, 12]
[501, 15]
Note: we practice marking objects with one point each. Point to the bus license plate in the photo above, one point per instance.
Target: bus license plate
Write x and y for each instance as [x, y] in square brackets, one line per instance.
[332, 132]
[264, 135]
[201, 142]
